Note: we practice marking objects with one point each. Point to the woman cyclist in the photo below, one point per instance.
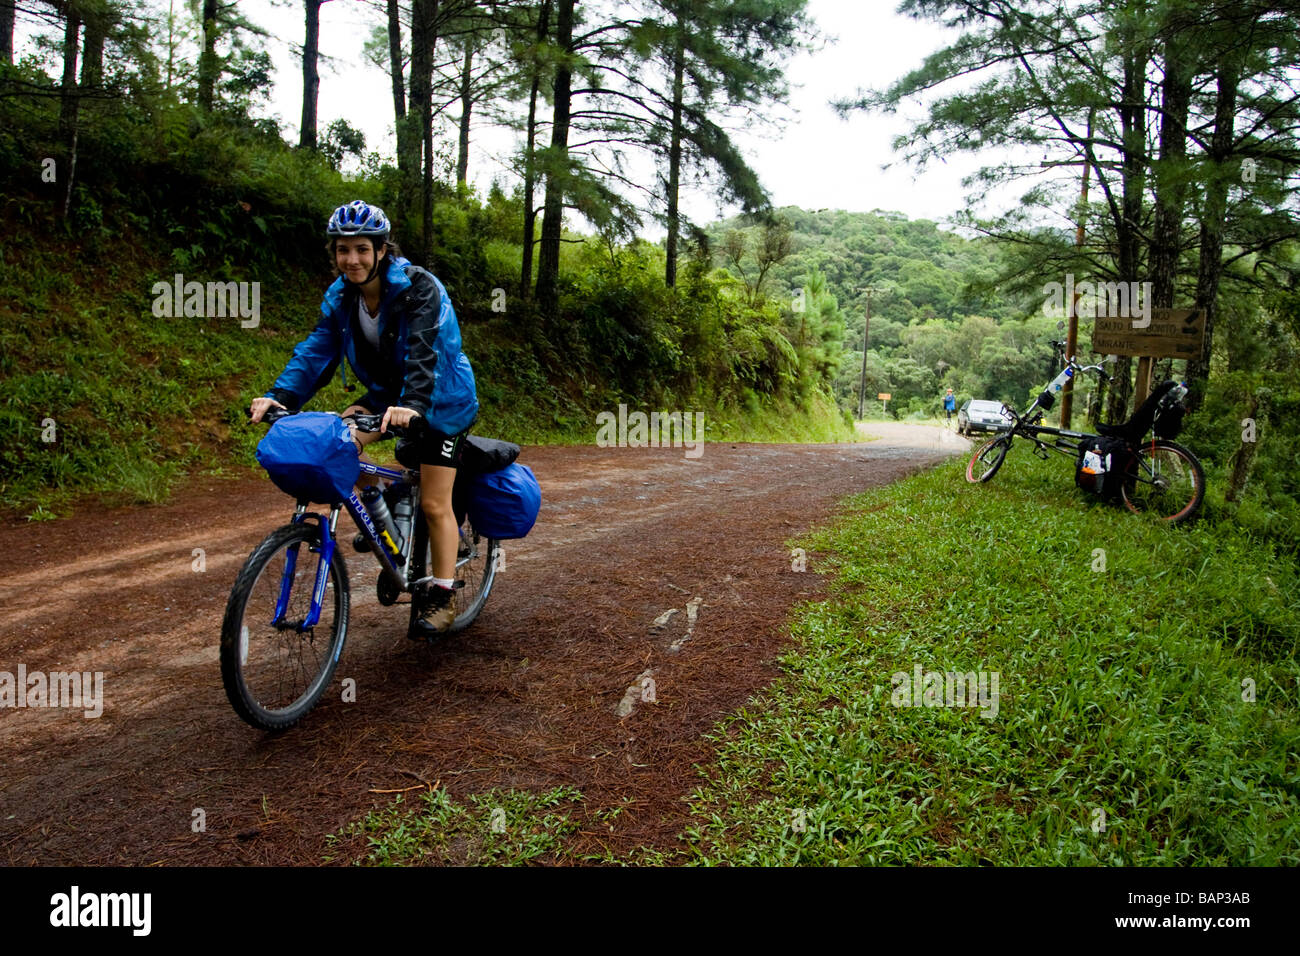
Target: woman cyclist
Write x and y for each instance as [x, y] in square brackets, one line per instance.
[395, 324]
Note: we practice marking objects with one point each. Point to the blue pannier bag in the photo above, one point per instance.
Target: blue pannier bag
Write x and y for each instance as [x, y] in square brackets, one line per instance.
[311, 456]
[505, 503]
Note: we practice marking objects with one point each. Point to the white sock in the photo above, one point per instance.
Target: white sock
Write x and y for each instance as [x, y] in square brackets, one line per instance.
[448, 583]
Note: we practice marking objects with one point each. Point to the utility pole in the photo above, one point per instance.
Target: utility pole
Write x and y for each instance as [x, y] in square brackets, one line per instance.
[866, 330]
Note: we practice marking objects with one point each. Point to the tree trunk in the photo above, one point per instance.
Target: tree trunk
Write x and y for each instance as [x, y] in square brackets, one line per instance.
[7, 31]
[1213, 217]
[1244, 459]
[426, 128]
[68, 100]
[530, 165]
[1133, 126]
[310, 75]
[466, 104]
[548, 266]
[208, 63]
[404, 145]
[420, 119]
[92, 59]
[675, 159]
[1176, 94]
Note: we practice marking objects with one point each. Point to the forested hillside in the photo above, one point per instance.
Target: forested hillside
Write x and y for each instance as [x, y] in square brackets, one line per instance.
[136, 149]
[937, 317]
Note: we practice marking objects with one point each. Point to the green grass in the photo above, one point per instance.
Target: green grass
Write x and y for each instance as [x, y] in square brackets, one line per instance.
[1121, 692]
[502, 827]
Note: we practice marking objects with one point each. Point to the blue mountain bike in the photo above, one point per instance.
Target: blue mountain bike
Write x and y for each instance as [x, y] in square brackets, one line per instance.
[287, 616]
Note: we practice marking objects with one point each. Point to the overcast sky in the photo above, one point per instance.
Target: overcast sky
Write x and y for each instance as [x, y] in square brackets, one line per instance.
[818, 161]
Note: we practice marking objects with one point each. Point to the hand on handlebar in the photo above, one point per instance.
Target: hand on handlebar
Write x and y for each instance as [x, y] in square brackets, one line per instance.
[396, 415]
[388, 422]
[259, 407]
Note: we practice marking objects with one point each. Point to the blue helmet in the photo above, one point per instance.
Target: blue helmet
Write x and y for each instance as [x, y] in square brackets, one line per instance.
[358, 219]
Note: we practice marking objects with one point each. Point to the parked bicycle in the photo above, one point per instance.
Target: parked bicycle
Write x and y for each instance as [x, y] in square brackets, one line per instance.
[1155, 476]
[287, 616]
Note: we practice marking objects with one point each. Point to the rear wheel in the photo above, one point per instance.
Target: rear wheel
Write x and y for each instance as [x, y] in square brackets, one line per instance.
[274, 666]
[1166, 481]
[987, 459]
[477, 558]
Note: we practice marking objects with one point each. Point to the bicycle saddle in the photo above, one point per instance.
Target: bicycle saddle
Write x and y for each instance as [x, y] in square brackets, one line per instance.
[1140, 423]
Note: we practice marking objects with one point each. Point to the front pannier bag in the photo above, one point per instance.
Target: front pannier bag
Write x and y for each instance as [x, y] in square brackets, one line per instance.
[505, 503]
[311, 456]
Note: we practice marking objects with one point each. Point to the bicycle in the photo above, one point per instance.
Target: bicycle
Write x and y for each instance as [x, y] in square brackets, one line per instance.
[286, 619]
[1161, 477]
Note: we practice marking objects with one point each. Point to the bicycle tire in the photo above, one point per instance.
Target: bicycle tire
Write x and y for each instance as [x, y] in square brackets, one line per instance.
[987, 459]
[477, 558]
[275, 675]
[1177, 486]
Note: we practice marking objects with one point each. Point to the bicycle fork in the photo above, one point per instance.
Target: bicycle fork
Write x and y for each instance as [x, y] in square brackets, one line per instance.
[328, 544]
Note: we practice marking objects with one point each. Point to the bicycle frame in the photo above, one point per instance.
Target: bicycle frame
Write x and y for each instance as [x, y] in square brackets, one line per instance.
[328, 543]
[1067, 442]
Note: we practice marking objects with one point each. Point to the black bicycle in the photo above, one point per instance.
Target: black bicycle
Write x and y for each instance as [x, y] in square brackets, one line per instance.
[287, 616]
[1159, 476]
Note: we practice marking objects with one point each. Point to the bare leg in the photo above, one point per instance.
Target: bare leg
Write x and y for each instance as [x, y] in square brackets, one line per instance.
[435, 501]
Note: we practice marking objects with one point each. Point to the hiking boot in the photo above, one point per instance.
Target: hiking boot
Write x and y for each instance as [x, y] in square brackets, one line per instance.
[436, 613]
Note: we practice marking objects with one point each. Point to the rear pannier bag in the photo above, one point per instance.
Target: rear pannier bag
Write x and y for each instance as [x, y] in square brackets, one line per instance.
[311, 456]
[1101, 466]
[505, 503]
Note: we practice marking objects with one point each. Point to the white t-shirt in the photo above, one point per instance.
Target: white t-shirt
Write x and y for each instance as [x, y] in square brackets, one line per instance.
[369, 323]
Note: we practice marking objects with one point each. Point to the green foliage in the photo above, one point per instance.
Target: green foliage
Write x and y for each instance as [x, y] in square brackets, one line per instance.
[1120, 691]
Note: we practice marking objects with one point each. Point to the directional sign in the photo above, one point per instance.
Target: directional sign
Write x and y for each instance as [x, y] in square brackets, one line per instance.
[1173, 333]
[884, 396]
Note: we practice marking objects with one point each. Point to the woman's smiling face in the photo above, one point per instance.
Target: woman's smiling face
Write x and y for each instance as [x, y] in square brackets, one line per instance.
[355, 257]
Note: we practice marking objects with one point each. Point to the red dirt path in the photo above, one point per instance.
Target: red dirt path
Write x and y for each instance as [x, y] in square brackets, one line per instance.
[526, 697]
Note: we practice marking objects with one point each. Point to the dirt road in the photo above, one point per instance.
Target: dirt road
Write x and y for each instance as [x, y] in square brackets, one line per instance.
[527, 697]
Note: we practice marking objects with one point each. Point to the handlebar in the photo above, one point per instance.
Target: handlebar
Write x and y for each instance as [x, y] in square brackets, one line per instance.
[1060, 351]
[364, 423]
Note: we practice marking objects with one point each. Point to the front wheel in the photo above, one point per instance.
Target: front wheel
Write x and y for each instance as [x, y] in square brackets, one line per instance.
[987, 459]
[274, 665]
[1165, 480]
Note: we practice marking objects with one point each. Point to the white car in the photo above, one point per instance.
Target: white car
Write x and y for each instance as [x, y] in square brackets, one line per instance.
[981, 415]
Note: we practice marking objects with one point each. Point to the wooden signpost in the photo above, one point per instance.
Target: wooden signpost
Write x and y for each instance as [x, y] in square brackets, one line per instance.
[1172, 333]
[885, 397]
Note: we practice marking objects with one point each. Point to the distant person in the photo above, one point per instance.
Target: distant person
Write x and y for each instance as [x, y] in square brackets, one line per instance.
[950, 404]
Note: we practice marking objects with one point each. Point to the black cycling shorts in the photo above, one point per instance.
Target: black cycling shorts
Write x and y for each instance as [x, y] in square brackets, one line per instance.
[431, 447]
[427, 447]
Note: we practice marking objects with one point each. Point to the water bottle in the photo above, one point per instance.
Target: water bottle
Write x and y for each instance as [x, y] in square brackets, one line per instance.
[373, 499]
[1058, 383]
[403, 509]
